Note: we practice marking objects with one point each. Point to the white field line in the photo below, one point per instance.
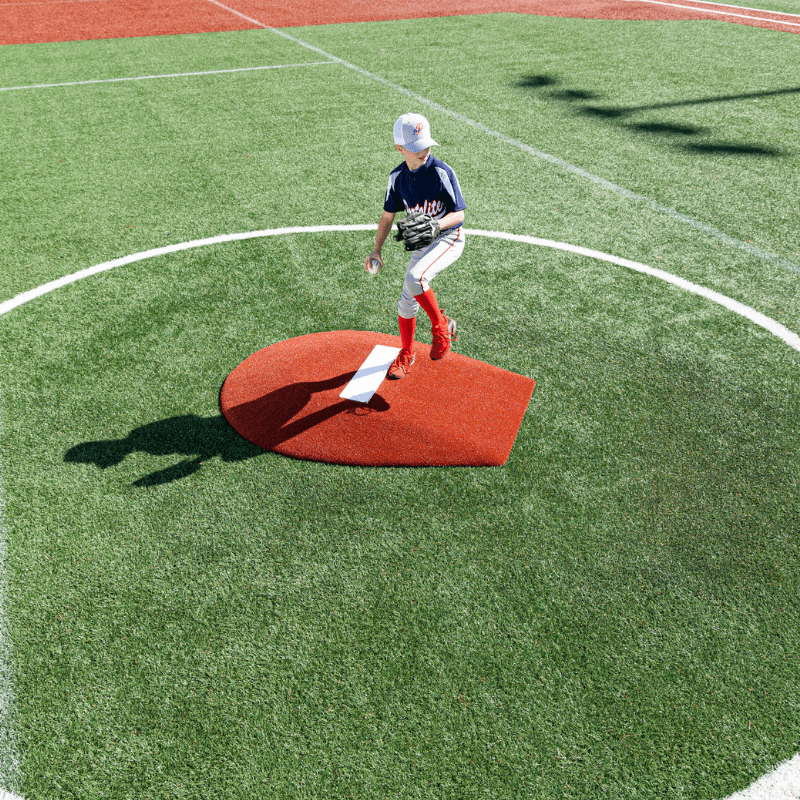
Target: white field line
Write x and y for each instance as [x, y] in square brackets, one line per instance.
[158, 77]
[765, 788]
[674, 214]
[667, 211]
[756, 317]
[242, 16]
[566, 166]
[9, 759]
[722, 13]
[783, 783]
[747, 8]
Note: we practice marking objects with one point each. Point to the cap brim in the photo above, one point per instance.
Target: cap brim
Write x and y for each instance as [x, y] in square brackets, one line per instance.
[420, 145]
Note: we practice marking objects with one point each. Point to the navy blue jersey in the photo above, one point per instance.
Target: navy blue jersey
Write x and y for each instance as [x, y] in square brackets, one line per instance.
[432, 189]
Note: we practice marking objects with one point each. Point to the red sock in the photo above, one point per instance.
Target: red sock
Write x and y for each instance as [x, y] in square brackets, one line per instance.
[407, 329]
[431, 305]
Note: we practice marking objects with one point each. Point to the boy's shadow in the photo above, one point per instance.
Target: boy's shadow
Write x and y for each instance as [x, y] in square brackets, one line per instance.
[202, 438]
[274, 416]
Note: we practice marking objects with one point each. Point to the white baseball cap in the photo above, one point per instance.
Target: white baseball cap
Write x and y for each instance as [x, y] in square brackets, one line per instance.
[413, 132]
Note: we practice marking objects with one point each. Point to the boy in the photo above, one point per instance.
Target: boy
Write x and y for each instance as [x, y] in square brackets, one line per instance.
[422, 183]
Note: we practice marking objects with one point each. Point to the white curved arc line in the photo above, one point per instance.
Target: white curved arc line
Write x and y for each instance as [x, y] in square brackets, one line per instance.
[763, 321]
[32, 294]
[784, 780]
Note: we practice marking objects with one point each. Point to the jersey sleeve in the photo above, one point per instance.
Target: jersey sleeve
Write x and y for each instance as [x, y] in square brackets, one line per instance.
[393, 202]
[451, 188]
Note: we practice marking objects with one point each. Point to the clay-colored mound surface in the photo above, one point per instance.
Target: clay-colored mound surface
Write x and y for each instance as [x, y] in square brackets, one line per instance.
[453, 412]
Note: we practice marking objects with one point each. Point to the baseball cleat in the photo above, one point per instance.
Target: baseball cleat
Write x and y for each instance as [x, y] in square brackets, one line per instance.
[442, 335]
[401, 365]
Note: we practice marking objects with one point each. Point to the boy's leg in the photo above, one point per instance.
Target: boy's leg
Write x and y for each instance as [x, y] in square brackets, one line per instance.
[431, 305]
[407, 330]
[424, 266]
[408, 325]
[405, 358]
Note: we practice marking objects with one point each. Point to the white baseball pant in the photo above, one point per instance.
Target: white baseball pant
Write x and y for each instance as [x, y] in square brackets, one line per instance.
[425, 265]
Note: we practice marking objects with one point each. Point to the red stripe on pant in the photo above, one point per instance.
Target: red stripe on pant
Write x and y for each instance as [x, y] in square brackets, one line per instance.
[441, 255]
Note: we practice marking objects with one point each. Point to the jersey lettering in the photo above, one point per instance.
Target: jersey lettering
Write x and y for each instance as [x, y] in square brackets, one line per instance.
[433, 208]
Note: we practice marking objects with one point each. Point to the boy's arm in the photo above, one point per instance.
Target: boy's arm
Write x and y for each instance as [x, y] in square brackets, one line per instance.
[384, 229]
[451, 220]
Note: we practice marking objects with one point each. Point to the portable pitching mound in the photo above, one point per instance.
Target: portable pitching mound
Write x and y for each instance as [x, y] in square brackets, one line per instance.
[454, 412]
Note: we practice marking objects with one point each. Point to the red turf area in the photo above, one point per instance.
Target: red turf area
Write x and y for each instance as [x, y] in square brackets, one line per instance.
[68, 20]
[453, 412]
[74, 20]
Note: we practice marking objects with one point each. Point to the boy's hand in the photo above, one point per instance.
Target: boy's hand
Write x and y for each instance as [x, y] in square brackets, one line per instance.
[373, 262]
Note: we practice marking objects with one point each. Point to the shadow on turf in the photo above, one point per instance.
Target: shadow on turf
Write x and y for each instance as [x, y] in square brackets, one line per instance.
[676, 134]
[272, 419]
[199, 438]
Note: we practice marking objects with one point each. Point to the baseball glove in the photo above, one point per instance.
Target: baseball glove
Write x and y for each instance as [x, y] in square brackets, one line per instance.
[417, 230]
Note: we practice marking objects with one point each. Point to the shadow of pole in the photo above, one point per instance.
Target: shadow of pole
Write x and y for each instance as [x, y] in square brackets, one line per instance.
[678, 133]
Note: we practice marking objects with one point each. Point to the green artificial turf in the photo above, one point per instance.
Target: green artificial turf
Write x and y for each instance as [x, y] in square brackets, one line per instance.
[611, 614]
